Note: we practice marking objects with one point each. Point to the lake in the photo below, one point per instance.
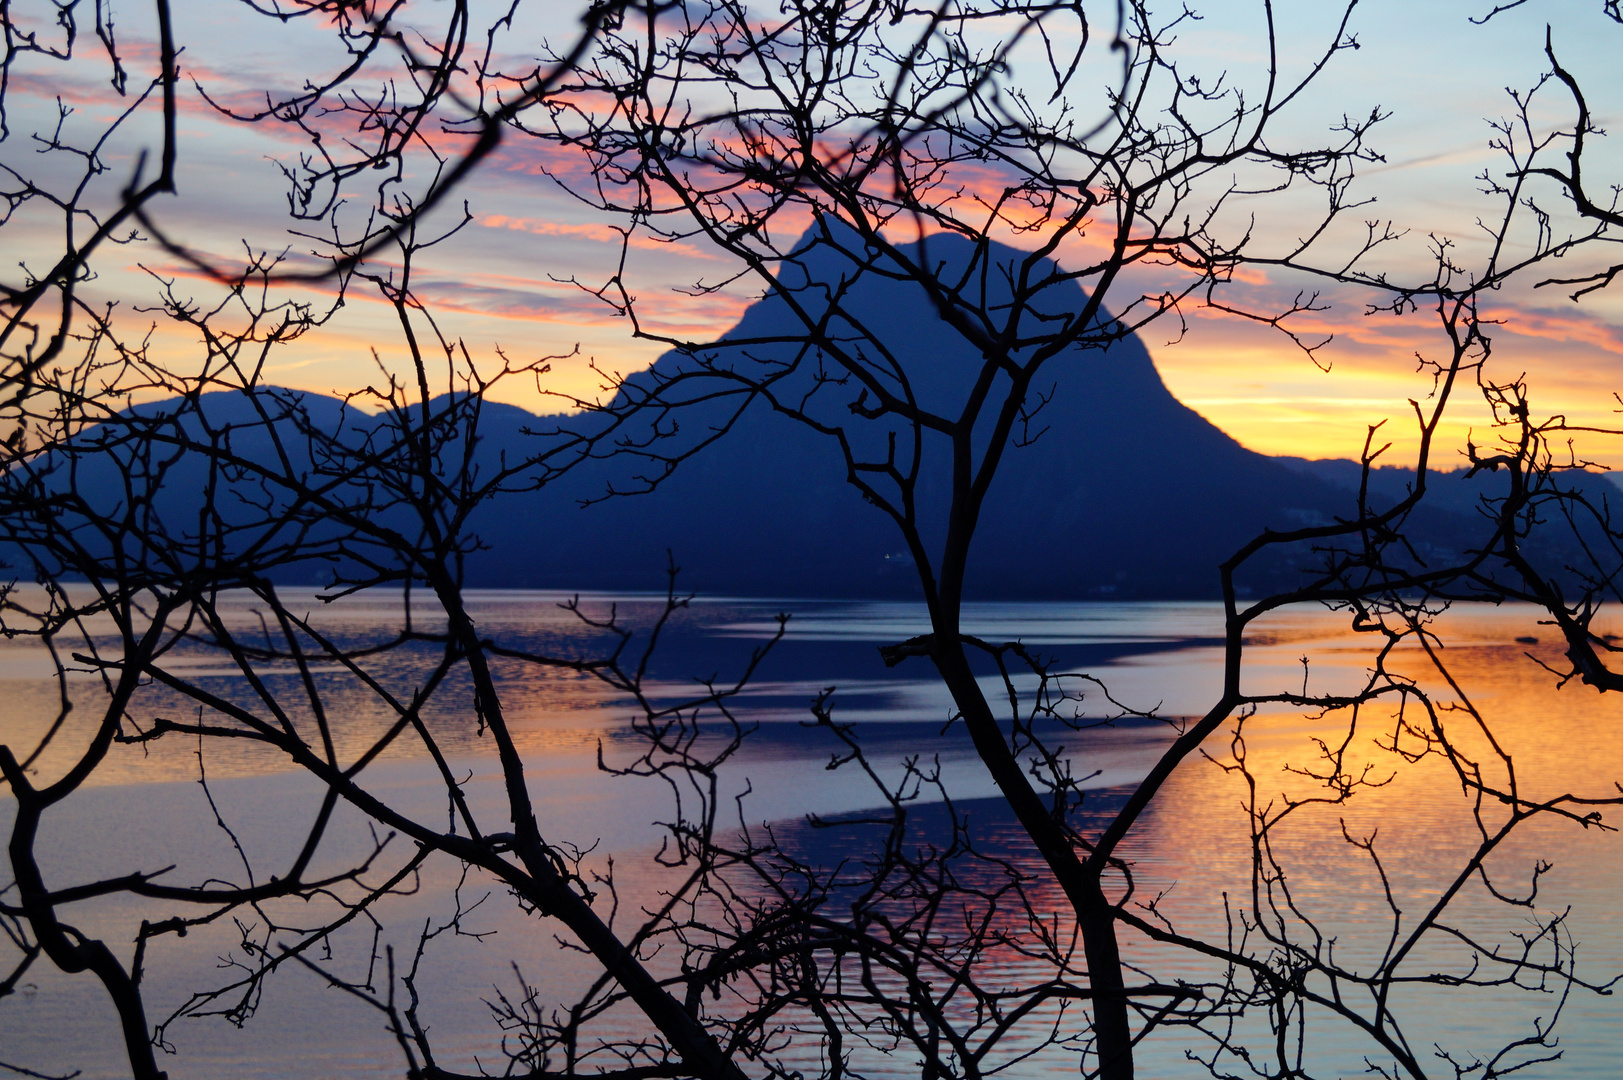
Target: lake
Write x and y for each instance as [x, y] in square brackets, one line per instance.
[145, 809]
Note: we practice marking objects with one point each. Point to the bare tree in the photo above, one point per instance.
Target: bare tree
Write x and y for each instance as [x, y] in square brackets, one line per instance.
[379, 501]
[873, 126]
[910, 141]
[1531, 452]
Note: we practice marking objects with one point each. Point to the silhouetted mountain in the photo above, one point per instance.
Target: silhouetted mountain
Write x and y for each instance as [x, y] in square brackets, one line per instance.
[132, 495]
[1125, 493]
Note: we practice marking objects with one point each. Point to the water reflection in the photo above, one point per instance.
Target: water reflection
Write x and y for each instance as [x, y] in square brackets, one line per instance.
[553, 709]
[1193, 848]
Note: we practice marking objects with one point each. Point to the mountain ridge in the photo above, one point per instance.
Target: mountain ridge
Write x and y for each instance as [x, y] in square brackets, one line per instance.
[1123, 492]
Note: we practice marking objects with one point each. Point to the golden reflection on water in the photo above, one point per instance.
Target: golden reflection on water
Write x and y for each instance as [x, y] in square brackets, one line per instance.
[1560, 742]
[1192, 854]
[1555, 737]
[548, 708]
[1192, 845]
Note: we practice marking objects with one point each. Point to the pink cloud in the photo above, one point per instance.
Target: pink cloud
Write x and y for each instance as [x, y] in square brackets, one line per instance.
[601, 233]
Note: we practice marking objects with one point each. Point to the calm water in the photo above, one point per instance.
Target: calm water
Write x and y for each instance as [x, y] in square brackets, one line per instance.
[146, 810]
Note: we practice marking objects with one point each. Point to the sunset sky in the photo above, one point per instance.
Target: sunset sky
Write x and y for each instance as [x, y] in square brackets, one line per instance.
[504, 280]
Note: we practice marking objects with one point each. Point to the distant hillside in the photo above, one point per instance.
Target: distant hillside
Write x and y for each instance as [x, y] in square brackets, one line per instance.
[1449, 489]
[1389, 484]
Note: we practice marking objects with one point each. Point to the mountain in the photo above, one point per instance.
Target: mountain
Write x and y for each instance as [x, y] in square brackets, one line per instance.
[1125, 493]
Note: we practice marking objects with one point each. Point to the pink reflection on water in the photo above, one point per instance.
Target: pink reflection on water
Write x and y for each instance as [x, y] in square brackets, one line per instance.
[1192, 850]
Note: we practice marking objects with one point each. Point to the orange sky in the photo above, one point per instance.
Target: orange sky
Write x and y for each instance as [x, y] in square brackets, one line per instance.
[505, 280]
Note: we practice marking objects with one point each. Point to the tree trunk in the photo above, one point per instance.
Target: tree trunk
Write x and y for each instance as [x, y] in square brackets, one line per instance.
[1112, 1032]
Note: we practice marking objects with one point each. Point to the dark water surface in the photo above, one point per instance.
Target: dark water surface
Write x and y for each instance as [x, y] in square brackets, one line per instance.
[146, 810]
